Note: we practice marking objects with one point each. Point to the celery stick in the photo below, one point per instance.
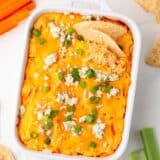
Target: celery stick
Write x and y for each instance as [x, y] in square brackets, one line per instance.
[150, 144]
[137, 155]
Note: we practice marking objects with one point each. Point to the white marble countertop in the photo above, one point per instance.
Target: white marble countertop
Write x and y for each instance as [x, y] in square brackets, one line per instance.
[147, 101]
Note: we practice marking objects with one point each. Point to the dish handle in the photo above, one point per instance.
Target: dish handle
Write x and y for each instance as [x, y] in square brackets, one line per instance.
[102, 5]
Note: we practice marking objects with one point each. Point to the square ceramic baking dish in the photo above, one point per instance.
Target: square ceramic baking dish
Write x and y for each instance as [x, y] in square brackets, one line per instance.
[104, 11]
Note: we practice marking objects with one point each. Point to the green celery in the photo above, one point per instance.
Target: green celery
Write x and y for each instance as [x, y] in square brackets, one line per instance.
[137, 155]
[150, 144]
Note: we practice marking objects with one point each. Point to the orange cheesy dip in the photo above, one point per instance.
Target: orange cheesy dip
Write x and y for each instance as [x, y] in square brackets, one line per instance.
[75, 88]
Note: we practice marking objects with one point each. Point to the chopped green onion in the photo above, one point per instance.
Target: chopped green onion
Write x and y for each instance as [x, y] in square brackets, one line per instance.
[60, 75]
[92, 144]
[71, 108]
[137, 155]
[79, 51]
[49, 125]
[75, 74]
[67, 43]
[68, 118]
[94, 89]
[95, 100]
[53, 113]
[90, 73]
[80, 37]
[107, 88]
[46, 88]
[36, 32]
[82, 84]
[77, 129]
[70, 31]
[47, 141]
[46, 117]
[34, 135]
[90, 119]
[94, 112]
[41, 41]
[150, 144]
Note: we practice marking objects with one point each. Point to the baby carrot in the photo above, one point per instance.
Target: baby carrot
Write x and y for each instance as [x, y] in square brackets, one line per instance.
[13, 20]
[8, 7]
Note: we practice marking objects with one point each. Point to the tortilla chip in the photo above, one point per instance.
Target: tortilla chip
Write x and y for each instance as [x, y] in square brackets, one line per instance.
[112, 29]
[147, 5]
[153, 57]
[158, 18]
[92, 35]
[151, 6]
[5, 154]
[101, 55]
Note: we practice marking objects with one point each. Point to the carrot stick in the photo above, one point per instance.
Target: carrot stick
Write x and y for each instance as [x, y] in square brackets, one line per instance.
[7, 3]
[13, 20]
[29, 6]
[9, 6]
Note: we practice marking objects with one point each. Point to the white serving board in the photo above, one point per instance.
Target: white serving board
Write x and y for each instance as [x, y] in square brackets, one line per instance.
[147, 101]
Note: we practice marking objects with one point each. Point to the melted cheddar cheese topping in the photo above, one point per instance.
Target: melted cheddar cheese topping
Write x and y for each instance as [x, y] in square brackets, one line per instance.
[68, 105]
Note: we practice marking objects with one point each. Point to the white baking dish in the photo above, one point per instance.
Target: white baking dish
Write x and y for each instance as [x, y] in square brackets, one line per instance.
[131, 95]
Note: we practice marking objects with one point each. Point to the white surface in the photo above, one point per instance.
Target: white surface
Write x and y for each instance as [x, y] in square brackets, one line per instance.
[146, 112]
